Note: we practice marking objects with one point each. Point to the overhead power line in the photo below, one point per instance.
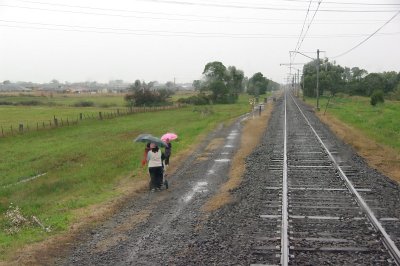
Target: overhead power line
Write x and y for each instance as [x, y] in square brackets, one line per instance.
[304, 23]
[366, 39]
[258, 7]
[127, 31]
[205, 4]
[348, 3]
[305, 34]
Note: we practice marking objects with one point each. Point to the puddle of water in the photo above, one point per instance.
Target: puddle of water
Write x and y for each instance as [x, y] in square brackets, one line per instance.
[223, 160]
[228, 146]
[199, 187]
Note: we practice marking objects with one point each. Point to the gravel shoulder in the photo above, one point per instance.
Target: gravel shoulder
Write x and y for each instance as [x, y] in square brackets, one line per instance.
[157, 228]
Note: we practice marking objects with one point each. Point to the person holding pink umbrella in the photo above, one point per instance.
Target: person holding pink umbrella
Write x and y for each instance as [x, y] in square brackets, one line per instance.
[167, 152]
[167, 138]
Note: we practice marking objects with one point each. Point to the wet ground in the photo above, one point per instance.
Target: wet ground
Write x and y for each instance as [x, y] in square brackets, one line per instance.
[171, 228]
[157, 227]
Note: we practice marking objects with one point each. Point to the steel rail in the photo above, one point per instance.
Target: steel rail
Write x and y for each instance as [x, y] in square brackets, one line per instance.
[388, 242]
[284, 233]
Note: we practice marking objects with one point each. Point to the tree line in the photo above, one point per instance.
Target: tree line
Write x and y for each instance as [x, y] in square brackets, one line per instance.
[352, 81]
[219, 84]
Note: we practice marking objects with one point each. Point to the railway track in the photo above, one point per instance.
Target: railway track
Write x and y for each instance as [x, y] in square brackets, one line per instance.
[324, 210]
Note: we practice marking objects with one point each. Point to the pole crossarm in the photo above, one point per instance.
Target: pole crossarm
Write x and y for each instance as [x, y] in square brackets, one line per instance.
[302, 54]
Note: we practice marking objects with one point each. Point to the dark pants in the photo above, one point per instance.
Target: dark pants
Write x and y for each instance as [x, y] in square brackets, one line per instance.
[166, 160]
[156, 177]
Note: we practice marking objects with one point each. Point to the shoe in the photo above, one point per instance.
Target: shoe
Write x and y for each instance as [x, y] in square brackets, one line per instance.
[152, 190]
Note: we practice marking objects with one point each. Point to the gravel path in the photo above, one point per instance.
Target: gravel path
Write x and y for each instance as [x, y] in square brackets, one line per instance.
[169, 228]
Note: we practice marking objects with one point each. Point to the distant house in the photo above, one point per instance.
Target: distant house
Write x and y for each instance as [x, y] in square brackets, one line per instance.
[12, 87]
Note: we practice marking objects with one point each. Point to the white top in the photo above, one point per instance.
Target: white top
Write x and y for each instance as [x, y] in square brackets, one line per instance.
[154, 158]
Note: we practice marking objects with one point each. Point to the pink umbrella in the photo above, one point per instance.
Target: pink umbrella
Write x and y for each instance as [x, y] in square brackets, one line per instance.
[170, 136]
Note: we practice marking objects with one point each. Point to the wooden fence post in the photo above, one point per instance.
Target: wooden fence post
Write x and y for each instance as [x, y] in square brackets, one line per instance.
[80, 116]
[21, 128]
[100, 116]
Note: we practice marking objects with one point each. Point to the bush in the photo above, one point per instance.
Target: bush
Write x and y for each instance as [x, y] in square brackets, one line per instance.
[395, 94]
[200, 99]
[30, 103]
[6, 103]
[84, 104]
[377, 97]
[107, 105]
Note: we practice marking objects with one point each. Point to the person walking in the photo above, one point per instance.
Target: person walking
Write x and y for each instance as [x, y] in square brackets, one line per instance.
[155, 163]
[146, 151]
[167, 152]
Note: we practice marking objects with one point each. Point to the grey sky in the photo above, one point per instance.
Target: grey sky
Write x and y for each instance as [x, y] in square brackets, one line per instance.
[100, 40]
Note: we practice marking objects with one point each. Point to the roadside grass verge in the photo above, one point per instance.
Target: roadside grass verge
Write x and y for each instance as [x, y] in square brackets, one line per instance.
[374, 132]
[380, 122]
[83, 165]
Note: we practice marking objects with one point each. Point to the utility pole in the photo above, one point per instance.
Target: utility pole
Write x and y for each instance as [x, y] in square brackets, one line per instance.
[302, 77]
[318, 79]
[298, 82]
[317, 70]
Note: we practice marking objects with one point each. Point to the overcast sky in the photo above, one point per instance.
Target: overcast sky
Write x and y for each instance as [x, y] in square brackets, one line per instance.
[98, 40]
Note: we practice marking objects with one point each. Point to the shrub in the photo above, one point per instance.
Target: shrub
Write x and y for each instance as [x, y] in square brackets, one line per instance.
[200, 99]
[30, 103]
[377, 97]
[84, 104]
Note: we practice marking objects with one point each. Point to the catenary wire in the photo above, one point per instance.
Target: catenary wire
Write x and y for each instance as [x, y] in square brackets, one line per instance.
[302, 28]
[366, 39]
[204, 4]
[124, 31]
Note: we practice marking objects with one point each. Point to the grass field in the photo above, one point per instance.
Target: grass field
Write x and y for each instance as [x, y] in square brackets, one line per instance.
[59, 99]
[82, 165]
[381, 122]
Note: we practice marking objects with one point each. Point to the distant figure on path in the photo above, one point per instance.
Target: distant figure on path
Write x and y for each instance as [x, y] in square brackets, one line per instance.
[155, 163]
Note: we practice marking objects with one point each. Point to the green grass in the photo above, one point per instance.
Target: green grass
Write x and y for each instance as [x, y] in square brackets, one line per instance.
[84, 164]
[381, 123]
[59, 99]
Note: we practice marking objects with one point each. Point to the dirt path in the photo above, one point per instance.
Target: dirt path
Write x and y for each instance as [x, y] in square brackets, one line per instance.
[142, 231]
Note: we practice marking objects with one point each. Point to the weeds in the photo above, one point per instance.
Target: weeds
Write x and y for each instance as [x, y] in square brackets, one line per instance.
[16, 221]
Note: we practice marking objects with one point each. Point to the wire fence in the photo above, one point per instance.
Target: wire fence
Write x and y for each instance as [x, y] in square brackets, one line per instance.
[57, 122]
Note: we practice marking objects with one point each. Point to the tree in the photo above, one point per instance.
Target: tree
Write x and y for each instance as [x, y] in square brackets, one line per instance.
[215, 71]
[257, 85]
[196, 85]
[141, 94]
[236, 77]
[224, 84]
[371, 83]
[170, 85]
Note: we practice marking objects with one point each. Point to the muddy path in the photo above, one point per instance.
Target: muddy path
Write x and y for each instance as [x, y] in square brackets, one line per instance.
[157, 226]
